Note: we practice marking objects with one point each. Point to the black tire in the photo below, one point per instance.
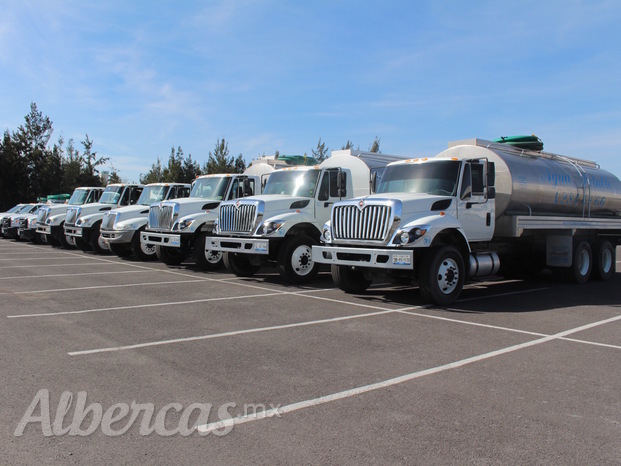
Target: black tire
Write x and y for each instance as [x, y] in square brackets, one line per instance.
[121, 250]
[442, 274]
[581, 264]
[206, 260]
[52, 241]
[96, 241]
[82, 244]
[170, 256]
[349, 280]
[239, 264]
[62, 239]
[295, 260]
[604, 266]
[144, 252]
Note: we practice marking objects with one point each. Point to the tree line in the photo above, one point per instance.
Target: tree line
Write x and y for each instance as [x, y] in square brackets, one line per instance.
[31, 167]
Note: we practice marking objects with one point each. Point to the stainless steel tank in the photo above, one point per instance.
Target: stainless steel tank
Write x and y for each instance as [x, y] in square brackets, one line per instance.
[540, 183]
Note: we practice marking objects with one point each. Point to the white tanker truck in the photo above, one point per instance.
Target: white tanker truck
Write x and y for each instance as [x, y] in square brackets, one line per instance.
[476, 209]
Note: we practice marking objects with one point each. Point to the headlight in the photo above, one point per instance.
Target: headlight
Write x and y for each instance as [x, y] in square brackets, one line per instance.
[126, 226]
[326, 234]
[216, 228]
[270, 227]
[184, 224]
[32, 223]
[410, 236]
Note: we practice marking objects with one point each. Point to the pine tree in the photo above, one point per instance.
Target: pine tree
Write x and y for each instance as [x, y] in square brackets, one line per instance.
[348, 145]
[375, 147]
[220, 161]
[321, 153]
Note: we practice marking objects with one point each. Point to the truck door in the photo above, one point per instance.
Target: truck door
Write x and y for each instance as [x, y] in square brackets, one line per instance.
[332, 188]
[474, 209]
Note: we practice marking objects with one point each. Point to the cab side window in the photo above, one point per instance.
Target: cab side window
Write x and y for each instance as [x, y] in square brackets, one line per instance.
[477, 179]
[324, 188]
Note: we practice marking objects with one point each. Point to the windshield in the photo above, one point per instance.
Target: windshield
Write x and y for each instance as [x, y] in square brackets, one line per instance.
[111, 195]
[292, 183]
[210, 188]
[152, 194]
[78, 197]
[438, 177]
[14, 209]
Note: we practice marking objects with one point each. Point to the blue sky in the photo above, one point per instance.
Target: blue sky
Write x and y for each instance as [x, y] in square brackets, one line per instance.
[140, 77]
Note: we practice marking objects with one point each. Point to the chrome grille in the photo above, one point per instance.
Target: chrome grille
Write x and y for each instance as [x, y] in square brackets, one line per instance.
[71, 216]
[161, 217]
[372, 222]
[237, 219]
[43, 214]
[108, 221]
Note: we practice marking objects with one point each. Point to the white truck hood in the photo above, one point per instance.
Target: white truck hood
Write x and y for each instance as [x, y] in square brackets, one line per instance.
[412, 203]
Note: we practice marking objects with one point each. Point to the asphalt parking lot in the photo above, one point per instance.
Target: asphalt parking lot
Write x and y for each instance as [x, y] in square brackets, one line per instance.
[516, 372]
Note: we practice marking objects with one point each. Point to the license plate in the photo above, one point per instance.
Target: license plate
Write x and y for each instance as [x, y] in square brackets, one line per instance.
[261, 247]
[401, 259]
[175, 241]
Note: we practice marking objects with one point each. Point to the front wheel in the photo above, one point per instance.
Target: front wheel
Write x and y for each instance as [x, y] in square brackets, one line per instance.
[143, 251]
[169, 256]
[349, 280]
[441, 277]
[205, 259]
[239, 264]
[97, 243]
[295, 260]
[121, 250]
[80, 243]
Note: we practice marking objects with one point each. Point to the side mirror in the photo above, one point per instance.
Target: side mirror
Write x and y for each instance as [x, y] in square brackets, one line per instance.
[373, 182]
[342, 183]
[247, 187]
[491, 174]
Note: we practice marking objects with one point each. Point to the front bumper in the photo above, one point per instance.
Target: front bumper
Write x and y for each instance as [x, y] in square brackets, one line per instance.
[392, 259]
[26, 233]
[161, 239]
[44, 229]
[74, 231]
[240, 245]
[117, 237]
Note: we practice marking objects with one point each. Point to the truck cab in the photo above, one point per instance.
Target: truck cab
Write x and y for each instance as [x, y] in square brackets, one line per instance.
[51, 218]
[121, 228]
[281, 225]
[177, 228]
[83, 223]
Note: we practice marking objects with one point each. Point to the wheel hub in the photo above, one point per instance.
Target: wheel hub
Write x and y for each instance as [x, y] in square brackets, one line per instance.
[448, 276]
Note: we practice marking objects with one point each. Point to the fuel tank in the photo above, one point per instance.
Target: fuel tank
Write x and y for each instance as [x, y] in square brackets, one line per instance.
[541, 183]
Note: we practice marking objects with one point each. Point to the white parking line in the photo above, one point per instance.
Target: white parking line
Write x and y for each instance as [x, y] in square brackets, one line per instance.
[24, 277]
[14, 259]
[142, 306]
[502, 294]
[391, 382]
[98, 287]
[57, 265]
[228, 334]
